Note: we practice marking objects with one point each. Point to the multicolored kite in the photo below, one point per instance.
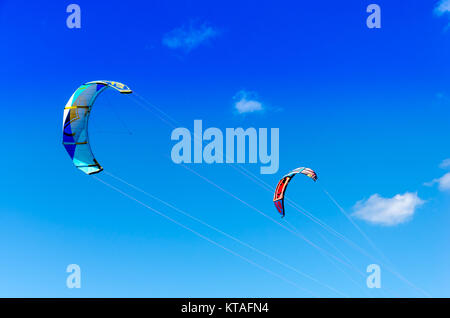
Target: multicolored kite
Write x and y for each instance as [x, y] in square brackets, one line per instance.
[75, 123]
[278, 198]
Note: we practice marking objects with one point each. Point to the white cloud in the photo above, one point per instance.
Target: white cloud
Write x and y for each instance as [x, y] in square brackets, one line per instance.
[388, 211]
[246, 102]
[443, 182]
[445, 164]
[188, 37]
[442, 7]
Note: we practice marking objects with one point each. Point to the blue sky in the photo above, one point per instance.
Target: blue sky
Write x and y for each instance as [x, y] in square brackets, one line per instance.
[368, 109]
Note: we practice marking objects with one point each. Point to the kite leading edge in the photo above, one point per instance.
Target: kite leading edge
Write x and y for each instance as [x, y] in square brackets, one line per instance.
[278, 198]
[75, 123]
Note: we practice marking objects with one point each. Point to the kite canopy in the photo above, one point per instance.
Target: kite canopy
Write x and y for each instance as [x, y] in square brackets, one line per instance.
[75, 123]
[278, 198]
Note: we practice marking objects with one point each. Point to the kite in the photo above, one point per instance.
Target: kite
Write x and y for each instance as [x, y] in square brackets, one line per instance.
[75, 123]
[278, 198]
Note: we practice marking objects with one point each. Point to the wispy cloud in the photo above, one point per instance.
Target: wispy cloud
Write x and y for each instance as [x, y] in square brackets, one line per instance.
[190, 36]
[388, 211]
[443, 8]
[445, 164]
[247, 102]
[444, 181]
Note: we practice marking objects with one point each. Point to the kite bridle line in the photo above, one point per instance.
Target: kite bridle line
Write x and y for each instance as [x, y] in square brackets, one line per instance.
[267, 187]
[253, 178]
[204, 237]
[223, 233]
